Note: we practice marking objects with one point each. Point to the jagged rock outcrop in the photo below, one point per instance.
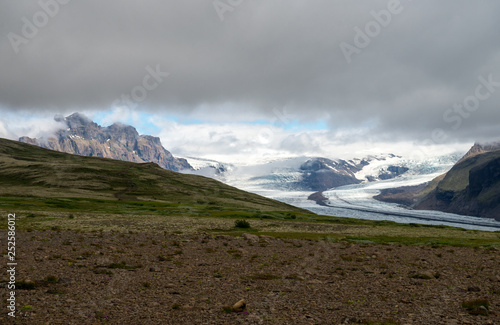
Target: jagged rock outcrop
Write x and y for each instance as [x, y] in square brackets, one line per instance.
[118, 141]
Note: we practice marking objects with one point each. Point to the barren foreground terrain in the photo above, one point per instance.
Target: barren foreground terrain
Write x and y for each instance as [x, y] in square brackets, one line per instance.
[76, 277]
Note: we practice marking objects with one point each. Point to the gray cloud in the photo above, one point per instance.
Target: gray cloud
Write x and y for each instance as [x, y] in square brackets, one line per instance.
[264, 54]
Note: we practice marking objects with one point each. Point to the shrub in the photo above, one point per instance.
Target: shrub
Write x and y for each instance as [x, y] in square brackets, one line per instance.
[477, 307]
[241, 224]
[123, 265]
[25, 285]
[51, 279]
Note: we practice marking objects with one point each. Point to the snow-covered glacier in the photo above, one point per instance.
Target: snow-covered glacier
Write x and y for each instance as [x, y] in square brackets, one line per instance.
[283, 180]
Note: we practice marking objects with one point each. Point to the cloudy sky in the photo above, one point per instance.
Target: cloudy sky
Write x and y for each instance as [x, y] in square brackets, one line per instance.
[262, 76]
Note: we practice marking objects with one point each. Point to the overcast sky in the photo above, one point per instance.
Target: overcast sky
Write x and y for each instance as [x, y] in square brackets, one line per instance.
[384, 71]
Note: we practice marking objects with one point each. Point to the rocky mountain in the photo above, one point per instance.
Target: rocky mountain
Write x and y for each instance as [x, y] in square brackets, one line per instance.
[479, 148]
[471, 187]
[83, 137]
[320, 174]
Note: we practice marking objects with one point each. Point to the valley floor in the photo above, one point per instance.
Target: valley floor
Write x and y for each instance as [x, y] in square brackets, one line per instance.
[115, 277]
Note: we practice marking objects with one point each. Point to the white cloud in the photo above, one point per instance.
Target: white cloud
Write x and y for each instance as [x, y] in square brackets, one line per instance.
[247, 143]
[241, 142]
[13, 126]
[265, 55]
[3, 132]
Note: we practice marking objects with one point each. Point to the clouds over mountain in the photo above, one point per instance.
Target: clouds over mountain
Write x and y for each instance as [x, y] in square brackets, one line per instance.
[181, 58]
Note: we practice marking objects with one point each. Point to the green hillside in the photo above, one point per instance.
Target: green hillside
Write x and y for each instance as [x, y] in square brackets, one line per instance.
[50, 190]
[29, 173]
[471, 187]
[457, 179]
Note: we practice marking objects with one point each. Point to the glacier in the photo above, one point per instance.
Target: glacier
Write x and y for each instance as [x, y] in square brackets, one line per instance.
[278, 179]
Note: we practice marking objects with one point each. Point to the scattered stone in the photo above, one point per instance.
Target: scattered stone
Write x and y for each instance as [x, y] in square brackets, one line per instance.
[239, 306]
[254, 319]
[474, 289]
[427, 275]
[251, 238]
[241, 251]
[310, 285]
[315, 281]
[65, 281]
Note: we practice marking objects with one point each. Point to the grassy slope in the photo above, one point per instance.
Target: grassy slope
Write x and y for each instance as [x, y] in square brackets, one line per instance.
[53, 190]
[32, 172]
[457, 179]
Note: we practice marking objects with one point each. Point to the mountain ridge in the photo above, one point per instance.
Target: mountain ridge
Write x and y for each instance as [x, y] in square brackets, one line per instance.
[118, 141]
[479, 148]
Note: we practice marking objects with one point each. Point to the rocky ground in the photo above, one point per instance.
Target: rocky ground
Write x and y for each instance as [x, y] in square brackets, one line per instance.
[142, 278]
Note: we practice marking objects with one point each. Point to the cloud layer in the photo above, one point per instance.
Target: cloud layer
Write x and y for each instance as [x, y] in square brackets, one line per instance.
[401, 80]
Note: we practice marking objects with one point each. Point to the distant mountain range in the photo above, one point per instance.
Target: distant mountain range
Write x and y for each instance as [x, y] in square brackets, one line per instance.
[83, 137]
[320, 174]
[303, 173]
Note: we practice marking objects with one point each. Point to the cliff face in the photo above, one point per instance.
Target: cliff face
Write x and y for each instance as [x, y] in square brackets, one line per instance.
[122, 142]
[471, 187]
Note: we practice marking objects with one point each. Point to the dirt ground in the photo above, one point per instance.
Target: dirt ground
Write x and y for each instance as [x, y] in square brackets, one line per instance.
[68, 277]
